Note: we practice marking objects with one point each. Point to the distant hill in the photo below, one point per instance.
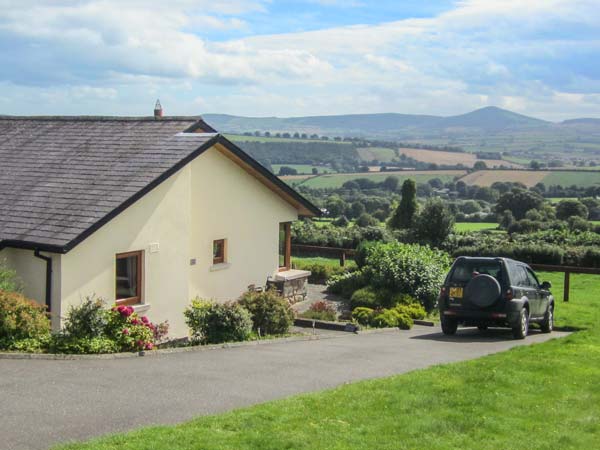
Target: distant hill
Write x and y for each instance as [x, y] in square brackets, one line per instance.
[485, 129]
[378, 125]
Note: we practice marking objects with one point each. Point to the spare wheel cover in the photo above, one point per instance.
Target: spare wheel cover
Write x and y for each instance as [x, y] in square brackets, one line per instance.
[483, 290]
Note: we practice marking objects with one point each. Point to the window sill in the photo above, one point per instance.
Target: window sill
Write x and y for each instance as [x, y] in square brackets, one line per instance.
[141, 307]
[221, 266]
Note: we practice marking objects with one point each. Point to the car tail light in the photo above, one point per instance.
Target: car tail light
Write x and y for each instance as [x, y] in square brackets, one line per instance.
[509, 294]
[443, 291]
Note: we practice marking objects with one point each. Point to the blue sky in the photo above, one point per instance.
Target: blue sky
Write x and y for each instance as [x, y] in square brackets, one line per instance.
[292, 58]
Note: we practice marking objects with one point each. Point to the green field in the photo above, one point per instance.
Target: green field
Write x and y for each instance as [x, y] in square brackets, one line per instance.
[565, 179]
[243, 138]
[558, 199]
[474, 226]
[543, 396]
[302, 168]
[381, 154]
[337, 180]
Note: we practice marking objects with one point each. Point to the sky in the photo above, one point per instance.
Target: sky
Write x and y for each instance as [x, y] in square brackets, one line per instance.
[302, 57]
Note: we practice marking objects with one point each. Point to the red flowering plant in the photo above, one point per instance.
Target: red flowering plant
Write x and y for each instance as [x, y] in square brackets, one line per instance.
[132, 332]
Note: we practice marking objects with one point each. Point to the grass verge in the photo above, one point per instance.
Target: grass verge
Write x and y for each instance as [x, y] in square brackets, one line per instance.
[543, 396]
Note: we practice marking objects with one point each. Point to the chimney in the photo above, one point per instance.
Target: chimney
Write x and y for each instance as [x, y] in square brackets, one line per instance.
[158, 112]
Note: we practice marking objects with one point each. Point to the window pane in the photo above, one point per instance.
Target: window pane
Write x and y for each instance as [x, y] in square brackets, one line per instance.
[127, 276]
[282, 244]
[219, 251]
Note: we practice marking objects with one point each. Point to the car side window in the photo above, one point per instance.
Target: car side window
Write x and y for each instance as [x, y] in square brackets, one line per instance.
[521, 277]
[533, 281]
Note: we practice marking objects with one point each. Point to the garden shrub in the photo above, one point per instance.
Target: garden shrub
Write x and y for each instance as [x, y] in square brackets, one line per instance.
[21, 318]
[270, 312]
[320, 310]
[362, 315]
[362, 251]
[62, 343]
[346, 283]
[414, 310]
[213, 323]
[90, 328]
[591, 258]
[9, 281]
[366, 296]
[404, 321]
[409, 268]
[384, 318]
[87, 320]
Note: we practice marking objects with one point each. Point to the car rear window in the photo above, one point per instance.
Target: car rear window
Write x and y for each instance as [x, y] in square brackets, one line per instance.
[465, 269]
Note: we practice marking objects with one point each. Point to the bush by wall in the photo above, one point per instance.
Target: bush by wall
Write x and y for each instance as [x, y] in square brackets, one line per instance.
[346, 283]
[407, 268]
[213, 323]
[21, 319]
[270, 312]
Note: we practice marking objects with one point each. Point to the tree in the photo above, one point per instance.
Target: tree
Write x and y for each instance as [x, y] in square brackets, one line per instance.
[479, 165]
[356, 209]
[571, 208]
[391, 183]
[285, 170]
[434, 223]
[506, 219]
[341, 221]
[405, 212]
[366, 220]
[535, 165]
[436, 183]
[335, 206]
[315, 171]
[518, 201]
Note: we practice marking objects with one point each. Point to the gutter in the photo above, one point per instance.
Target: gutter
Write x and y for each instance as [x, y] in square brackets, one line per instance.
[48, 260]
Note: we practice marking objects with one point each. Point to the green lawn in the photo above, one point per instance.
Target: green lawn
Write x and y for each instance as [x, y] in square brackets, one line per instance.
[569, 178]
[474, 226]
[337, 180]
[302, 168]
[544, 396]
[381, 154]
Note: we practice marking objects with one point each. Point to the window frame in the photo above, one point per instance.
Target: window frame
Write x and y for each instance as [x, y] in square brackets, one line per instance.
[287, 251]
[223, 258]
[138, 299]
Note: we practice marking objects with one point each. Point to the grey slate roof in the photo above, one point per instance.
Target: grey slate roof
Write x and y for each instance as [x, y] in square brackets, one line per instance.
[61, 175]
[61, 178]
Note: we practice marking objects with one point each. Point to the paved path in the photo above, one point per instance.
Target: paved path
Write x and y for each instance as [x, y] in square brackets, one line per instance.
[46, 402]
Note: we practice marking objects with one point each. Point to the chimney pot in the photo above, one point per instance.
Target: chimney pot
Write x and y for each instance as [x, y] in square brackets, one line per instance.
[158, 112]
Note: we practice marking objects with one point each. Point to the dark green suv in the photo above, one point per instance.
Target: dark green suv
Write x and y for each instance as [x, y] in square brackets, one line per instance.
[486, 292]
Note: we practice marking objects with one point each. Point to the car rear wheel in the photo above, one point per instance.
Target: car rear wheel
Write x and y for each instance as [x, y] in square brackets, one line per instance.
[449, 325]
[547, 325]
[521, 329]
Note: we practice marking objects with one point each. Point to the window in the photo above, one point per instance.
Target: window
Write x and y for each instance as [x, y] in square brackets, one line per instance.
[533, 281]
[219, 251]
[130, 278]
[285, 245]
[464, 270]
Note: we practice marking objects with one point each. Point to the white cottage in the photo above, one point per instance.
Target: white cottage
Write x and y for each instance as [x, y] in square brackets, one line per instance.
[149, 212]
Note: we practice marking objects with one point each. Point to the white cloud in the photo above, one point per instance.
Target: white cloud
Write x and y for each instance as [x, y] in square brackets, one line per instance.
[507, 52]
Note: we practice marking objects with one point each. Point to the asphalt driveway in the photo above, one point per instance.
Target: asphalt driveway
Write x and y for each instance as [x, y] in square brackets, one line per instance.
[46, 402]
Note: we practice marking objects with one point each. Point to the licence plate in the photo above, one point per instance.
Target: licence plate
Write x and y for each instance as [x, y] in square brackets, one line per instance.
[456, 292]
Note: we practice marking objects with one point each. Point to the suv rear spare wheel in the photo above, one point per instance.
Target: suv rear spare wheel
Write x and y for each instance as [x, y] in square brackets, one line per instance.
[483, 290]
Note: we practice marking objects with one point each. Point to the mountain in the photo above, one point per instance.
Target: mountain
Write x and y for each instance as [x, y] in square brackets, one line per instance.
[489, 129]
[385, 125]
